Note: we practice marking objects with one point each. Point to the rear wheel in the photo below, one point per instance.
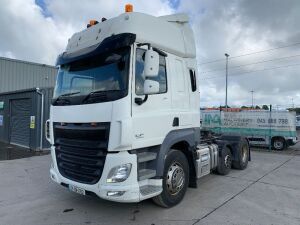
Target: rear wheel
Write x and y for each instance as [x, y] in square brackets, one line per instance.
[242, 156]
[278, 143]
[175, 179]
[224, 162]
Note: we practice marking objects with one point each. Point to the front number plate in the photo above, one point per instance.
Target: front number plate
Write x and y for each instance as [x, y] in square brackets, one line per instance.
[77, 190]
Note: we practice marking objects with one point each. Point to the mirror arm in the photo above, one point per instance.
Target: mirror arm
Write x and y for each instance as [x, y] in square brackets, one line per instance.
[140, 101]
[142, 44]
[160, 52]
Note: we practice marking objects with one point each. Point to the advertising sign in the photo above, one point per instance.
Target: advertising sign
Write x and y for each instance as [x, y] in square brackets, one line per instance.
[250, 122]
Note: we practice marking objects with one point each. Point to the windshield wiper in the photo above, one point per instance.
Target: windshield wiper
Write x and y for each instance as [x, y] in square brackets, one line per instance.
[69, 94]
[62, 100]
[91, 94]
[99, 95]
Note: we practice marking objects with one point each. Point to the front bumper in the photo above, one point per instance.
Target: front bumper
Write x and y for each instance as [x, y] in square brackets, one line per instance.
[292, 141]
[131, 186]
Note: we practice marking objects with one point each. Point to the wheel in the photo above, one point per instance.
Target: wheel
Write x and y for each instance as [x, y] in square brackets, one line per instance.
[278, 144]
[224, 161]
[175, 179]
[243, 156]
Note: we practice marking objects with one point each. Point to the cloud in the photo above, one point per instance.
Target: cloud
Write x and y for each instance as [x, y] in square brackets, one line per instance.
[27, 34]
[239, 27]
[78, 14]
[38, 31]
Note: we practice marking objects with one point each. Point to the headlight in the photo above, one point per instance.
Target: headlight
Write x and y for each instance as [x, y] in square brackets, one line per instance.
[119, 173]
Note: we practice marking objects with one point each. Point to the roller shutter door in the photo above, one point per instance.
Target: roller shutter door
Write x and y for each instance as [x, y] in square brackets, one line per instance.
[20, 122]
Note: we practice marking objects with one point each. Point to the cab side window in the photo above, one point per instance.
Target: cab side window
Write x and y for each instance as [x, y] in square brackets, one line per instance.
[193, 80]
[139, 68]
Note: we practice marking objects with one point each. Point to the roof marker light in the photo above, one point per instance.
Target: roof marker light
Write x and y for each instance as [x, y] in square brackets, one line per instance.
[128, 8]
[92, 23]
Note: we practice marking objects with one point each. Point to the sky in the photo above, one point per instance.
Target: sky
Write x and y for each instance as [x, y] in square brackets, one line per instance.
[262, 38]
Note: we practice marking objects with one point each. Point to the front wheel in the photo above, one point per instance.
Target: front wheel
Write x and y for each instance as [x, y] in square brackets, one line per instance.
[278, 144]
[175, 179]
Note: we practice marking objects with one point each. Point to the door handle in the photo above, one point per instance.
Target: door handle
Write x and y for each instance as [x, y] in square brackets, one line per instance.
[175, 122]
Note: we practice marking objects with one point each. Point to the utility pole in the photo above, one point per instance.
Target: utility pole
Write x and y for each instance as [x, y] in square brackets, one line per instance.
[252, 99]
[226, 106]
[293, 103]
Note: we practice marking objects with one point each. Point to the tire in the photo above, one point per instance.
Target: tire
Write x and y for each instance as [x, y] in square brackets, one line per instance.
[175, 163]
[224, 161]
[242, 156]
[278, 143]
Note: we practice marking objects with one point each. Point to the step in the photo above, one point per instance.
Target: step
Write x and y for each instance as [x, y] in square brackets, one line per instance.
[146, 174]
[150, 190]
[146, 156]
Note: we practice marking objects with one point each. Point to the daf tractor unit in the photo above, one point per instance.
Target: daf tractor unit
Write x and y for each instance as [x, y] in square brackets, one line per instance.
[124, 120]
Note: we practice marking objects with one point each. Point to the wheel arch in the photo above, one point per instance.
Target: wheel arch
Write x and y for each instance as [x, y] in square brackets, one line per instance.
[279, 137]
[184, 140]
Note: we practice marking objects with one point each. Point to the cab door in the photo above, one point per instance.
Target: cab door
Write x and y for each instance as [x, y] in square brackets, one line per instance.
[180, 92]
[152, 119]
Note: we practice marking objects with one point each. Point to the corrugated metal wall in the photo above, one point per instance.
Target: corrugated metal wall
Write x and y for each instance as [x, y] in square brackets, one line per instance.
[35, 110]
[20, 75]
[19, 80]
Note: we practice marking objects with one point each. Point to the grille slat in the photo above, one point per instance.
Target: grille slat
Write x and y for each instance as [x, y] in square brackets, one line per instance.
[79, 178]
[81, 150]
[83, 170]
[80, 160]
[81, 143]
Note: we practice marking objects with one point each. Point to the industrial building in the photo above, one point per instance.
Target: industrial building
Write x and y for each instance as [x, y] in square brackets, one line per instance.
[25, 96]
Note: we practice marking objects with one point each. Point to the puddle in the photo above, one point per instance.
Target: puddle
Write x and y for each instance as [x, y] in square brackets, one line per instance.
[9, 152]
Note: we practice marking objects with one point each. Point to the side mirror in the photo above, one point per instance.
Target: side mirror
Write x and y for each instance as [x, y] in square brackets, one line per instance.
[151, 87]
[151, 66]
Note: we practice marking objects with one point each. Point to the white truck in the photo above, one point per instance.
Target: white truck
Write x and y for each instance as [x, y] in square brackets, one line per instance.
[261, 127]
[124, 121]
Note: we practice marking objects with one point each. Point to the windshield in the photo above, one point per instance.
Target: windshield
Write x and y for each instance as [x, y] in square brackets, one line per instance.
[106, 74]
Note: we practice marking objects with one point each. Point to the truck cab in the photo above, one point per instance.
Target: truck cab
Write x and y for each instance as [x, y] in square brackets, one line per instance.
[125, 106]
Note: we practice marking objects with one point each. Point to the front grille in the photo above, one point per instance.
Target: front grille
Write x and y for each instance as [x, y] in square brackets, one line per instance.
[81, 150]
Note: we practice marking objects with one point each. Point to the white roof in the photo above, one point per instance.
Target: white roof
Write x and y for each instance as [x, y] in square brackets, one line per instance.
[170, 33]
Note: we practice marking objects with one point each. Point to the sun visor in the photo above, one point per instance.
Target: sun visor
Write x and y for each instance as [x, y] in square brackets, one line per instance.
[108, 44]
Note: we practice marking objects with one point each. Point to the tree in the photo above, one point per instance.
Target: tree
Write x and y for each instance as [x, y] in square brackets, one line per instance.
[257, 107]
[297, 110]
[265, 107]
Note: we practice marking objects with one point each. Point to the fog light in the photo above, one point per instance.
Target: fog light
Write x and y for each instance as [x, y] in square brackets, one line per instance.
[119, 173]
[115, 193]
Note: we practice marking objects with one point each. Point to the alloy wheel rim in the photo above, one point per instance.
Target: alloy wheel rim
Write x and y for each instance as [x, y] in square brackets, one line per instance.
[278, 144]
[227, 160]
[175, 178]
